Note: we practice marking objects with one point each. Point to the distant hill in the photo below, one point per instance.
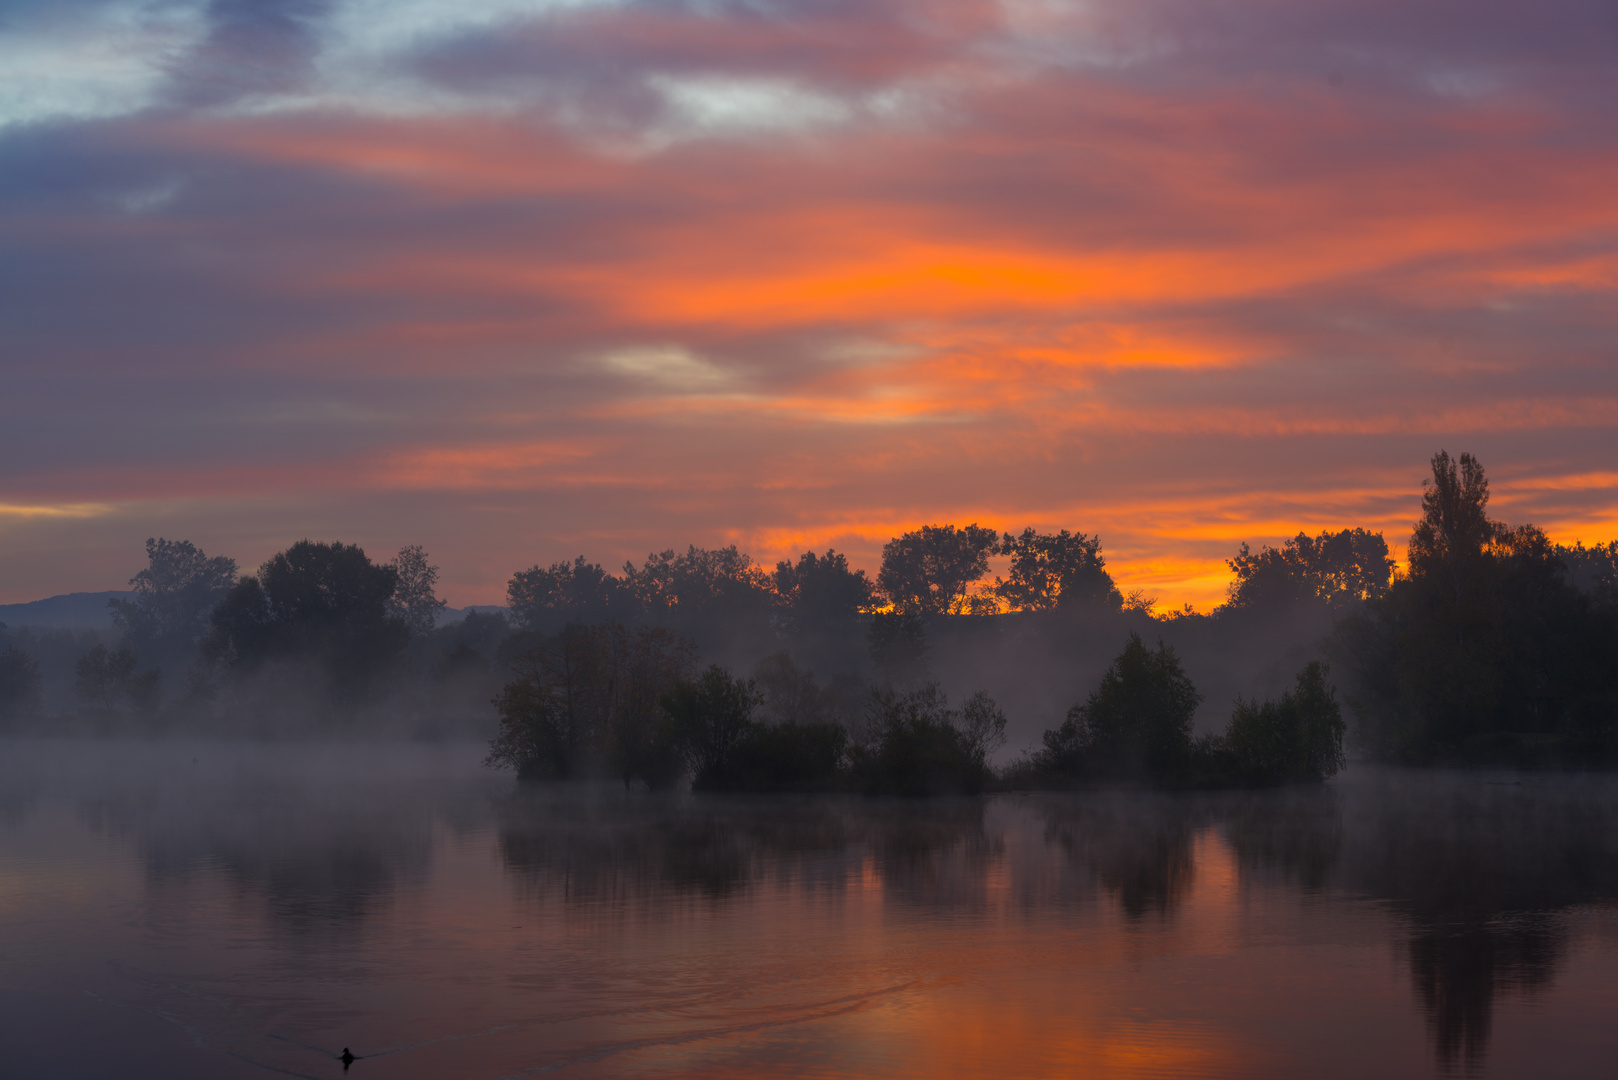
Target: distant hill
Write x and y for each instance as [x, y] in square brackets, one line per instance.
[76, 611]
[456, 614]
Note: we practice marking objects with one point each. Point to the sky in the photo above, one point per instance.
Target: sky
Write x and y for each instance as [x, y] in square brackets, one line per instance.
[518, 280]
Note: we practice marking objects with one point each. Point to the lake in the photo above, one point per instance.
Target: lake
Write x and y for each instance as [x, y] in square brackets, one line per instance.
[222, 910]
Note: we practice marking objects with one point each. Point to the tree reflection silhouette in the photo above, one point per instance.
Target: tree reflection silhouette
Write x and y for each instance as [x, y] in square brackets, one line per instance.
[1140, 847]
[1479, 867]
[1483, 868]
[319, 854]
[595, 847]
[1459, 970]
[1296, 834]
[1474, 879]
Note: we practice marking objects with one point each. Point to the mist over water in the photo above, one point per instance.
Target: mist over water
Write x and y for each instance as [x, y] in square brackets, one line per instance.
[216, 910]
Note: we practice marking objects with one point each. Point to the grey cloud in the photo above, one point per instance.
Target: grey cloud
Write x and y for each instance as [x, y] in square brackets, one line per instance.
[264, 318]
[253, 48]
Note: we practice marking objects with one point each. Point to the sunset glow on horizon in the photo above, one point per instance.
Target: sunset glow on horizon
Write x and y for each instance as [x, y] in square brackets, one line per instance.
[519, 280]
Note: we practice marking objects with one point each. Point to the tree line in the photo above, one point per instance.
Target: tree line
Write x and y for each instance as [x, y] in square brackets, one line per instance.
[1495, 645]
[630, 703]
[605, 699]
[1492, 645]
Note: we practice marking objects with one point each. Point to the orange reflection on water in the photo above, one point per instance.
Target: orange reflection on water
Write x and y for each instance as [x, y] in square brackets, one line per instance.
[1010, 999]
[262, 908]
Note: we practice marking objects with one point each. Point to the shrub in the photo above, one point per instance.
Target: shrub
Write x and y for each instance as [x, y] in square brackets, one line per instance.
[1135, 726]
[711, 716]
[915, 744]
[1296, 739]
[789, 757]
[590, 698]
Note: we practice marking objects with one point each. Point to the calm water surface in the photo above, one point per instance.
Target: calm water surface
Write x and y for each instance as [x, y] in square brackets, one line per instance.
[211, 910]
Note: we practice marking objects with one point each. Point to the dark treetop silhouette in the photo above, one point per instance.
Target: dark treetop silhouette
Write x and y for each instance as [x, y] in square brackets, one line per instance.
[1494, 645]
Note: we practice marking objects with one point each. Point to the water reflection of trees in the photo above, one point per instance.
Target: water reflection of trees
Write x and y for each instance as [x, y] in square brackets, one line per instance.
[1477, 873]
[1483, 871]
[1480, 873]
[591, 848]
[319, 853]
[1480, 870]
[1139, 848]
[1460, 968]
[596, 854]
[315, 864]
[1293, 835]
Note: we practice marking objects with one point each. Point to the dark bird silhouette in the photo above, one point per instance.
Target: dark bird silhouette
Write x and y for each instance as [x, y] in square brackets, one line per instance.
[347, 1058]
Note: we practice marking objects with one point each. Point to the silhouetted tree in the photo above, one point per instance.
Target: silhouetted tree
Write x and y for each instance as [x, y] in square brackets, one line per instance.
[696, 580]
[712, 716]
[1050, 571]
[1593, 570]
[713, 597]
[19, 685]
[915, 744]
[325, 603]
[556, 714]
[1298, 738]
[796, 739]
[649, 661]
[173, 596]
[792, 695]
[1423, 655]
[108, 680]
[982, 727]
[1338, 569]
[804, 756]
[413, 600]
[450, 677]
[484, 631]
[461, 661]
[1140, 602]
[1454, 533]
[930, 571]
[1136, 725]
[590, 698]
[580, 591]
[821, 591]
[1484, 651]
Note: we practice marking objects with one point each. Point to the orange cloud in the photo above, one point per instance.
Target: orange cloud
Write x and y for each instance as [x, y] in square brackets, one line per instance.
[1049, 295]
[521, 466]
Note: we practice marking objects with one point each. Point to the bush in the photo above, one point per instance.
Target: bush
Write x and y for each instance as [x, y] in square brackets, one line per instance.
[108, 680]
[1296, 739]
[789, 757]
[1135, 726]
[916, 744]
[726, 749]
[589, 698]
[711, 716]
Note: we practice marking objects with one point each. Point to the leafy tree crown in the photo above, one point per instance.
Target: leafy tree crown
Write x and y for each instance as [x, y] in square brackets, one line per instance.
[930, 570]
